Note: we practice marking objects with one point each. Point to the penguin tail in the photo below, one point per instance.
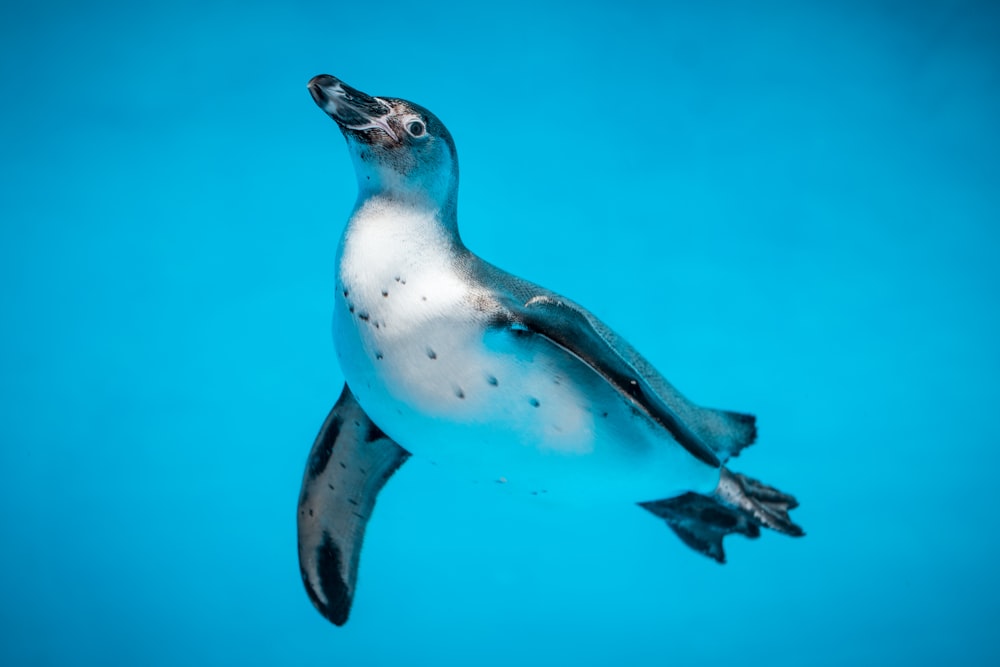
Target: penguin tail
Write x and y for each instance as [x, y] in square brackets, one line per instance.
[728, 433]
[739, 504]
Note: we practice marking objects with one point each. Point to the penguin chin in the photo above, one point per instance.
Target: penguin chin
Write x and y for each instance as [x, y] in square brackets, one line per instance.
[380, 165]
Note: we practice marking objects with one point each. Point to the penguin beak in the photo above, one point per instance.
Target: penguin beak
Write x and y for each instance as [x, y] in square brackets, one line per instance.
[350, 108]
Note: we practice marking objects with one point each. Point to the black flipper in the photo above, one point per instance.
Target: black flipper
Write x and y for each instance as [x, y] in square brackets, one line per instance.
[573, 329]
[738, 505]
[349, 464]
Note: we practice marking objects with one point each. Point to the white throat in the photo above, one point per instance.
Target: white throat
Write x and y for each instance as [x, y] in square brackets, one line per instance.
[387, 237]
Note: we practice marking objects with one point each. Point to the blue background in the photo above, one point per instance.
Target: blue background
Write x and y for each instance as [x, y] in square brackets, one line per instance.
[790, 208]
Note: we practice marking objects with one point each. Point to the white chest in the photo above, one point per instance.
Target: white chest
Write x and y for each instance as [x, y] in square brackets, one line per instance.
[422, 362]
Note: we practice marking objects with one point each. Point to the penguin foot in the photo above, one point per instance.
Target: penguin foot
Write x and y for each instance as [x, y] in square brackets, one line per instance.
[739, 504]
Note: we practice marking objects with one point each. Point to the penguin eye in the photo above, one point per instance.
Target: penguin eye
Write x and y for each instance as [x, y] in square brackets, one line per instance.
[415, 128]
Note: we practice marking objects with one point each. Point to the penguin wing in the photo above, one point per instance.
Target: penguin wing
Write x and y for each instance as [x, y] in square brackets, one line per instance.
[349, 464]
[710, 435]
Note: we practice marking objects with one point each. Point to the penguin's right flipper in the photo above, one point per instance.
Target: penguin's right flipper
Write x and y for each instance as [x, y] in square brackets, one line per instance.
[349, 464]
[711, 436]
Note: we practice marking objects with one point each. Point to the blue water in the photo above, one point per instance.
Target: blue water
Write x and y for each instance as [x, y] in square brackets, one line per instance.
[791, 208]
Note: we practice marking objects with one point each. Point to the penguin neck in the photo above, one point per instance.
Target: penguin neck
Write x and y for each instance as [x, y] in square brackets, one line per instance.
[432, 192]
[408, 214]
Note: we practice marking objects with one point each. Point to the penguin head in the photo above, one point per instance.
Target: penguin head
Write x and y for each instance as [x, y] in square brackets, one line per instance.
[399, 148]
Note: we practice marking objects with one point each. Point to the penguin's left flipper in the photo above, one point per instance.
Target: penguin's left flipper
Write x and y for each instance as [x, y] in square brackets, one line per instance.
[580, 333]
[349, 464]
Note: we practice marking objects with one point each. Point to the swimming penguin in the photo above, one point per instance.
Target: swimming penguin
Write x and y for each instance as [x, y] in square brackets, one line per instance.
[449, 357]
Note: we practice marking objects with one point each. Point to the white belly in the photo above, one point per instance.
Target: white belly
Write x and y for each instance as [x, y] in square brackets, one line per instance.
[492, 405]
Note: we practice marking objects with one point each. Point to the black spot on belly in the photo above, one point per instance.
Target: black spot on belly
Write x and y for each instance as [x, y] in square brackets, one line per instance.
[459, 392]
[431, 354]
[363, 317]
[346, 293]
[397, 279]
[534, 402]
[385, 293]
[350, 307]
[378, 355]
[492, 380]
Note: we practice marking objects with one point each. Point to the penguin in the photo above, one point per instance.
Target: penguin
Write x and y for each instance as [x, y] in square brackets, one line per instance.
[448, 357]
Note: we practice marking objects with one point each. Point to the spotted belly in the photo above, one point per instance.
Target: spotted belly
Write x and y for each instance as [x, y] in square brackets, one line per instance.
[496, 405]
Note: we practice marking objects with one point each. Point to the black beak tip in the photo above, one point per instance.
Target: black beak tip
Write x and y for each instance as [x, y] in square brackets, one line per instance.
[319, 97]
[316, 87]
[322, 80]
